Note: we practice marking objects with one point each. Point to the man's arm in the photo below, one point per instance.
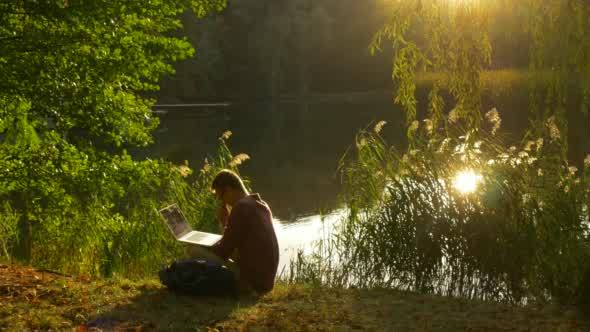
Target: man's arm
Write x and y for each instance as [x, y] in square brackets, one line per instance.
[231, 235]
[222, 215]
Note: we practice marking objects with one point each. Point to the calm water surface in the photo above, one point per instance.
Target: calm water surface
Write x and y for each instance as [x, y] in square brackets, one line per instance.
[295, 150]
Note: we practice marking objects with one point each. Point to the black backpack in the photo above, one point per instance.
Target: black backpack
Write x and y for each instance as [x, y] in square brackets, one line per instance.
[199, 277]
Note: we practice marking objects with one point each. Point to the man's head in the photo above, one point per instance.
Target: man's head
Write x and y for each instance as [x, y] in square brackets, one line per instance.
[228, 187]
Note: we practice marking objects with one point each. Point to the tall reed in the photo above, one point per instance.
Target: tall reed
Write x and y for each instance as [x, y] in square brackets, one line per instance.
[523, 235]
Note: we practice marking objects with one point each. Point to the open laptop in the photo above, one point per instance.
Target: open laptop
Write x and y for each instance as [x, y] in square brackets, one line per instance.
[182, 231]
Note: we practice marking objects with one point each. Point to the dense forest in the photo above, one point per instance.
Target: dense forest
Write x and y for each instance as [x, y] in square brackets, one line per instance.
[260, 50]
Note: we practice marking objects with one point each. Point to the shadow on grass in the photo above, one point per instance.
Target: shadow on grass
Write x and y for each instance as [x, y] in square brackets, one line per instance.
[160, 309]
[298, 307]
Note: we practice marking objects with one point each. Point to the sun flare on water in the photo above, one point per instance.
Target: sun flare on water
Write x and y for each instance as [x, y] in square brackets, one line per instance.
[467, 181]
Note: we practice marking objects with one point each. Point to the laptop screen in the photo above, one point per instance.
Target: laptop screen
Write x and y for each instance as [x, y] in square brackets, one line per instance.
[175, 220]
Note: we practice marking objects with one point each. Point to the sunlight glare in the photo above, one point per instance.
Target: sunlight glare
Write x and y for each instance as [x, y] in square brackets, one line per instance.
[466, 181]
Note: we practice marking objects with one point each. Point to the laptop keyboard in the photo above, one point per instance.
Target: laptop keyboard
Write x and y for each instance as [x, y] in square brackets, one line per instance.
[202, 238]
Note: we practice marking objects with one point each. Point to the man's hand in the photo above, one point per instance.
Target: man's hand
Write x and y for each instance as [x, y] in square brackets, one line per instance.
[222, 215]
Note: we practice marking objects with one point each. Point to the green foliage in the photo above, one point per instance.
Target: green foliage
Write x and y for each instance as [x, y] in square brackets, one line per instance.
[85, 217]
[444, 37]
[80, 65]
[74, 74]
[454, 39]
[561, 47]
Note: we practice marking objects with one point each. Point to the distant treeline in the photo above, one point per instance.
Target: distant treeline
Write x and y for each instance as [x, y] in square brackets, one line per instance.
[260, 49]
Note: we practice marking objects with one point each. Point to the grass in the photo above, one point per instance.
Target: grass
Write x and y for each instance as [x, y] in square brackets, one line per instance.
[497, 82]
[35, 300]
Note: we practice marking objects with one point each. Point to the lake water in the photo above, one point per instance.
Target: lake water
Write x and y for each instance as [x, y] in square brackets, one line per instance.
[295, 149]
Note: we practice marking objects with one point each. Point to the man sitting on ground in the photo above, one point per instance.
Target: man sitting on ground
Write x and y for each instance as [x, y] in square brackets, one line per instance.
[248, 236]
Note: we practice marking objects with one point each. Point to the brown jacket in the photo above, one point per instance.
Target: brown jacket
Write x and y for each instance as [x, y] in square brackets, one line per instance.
[250, 230]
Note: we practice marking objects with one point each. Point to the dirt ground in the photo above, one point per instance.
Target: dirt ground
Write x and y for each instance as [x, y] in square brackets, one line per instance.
[31, 299]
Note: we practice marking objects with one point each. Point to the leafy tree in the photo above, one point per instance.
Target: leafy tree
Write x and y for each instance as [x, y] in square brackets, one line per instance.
[561, 50]
[443, 37]
[74, 76]
[454, 38]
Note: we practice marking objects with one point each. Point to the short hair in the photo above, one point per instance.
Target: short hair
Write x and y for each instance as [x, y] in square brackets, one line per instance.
[227, 178]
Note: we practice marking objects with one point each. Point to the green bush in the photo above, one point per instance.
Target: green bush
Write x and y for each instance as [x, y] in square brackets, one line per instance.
[73, 98]
[105, 221]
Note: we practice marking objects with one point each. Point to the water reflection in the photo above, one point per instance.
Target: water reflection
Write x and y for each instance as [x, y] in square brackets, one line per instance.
[302, 235]
[294, 151]
[467, 181]
[295, 147]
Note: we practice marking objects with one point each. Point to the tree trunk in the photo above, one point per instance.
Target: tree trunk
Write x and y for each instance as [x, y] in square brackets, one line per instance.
[24, 240]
